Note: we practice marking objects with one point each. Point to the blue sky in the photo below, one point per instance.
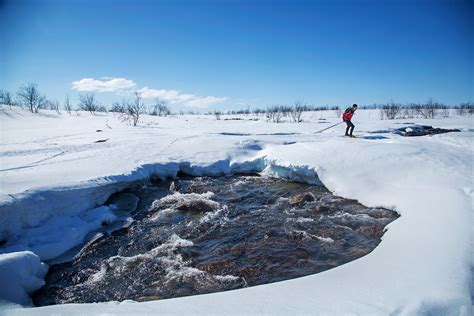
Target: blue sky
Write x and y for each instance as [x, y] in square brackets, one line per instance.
[201, 55]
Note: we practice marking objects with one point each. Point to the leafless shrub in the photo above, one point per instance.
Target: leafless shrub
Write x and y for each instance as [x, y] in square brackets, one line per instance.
[259, 112]
[30, 97]
[444, 111]
[274, 114]
[54, 105]
[118, 107]
[241, 112]
[337, 110]
[133, 109]
[286, 110]
[67, 104]
[428, 110]
[390, 111]
[297, 111]
[87, 102]
[101, 109]
[465, 109]
[6, 98]
[408, 111]
[160, 108]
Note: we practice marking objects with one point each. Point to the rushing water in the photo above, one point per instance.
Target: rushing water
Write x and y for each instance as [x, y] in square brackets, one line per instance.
[201, 235]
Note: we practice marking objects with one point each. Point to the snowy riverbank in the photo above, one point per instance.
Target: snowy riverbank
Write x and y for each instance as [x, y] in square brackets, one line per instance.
[54, 176]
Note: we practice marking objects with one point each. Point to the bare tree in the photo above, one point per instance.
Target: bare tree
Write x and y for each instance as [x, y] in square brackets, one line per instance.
[87, 102]
[160, 108]
[274, 114]
[119, 107]
[432, 108]
[297, 111]
[408, 111]
[470, 107]
[6, 98]
[444, 110]
[102, 109]
[258, 112]
[428, 110]
[134, 109]
[390, 110]
[337, 110]
[30, 97]
[465, 109]
[54, 105]
[67, 104]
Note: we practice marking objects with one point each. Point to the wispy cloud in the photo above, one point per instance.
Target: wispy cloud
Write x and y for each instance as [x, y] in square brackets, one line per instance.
[174, 97]
[205, 102]
[121, 86]
[108, 84]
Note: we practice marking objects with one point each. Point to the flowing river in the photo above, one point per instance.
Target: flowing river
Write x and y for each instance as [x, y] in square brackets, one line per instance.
[196, 235]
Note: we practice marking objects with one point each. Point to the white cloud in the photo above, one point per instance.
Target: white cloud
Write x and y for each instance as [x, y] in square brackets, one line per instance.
[204, 102]
[107, 85]
[174, 96]
[124, 86]
[167, 95]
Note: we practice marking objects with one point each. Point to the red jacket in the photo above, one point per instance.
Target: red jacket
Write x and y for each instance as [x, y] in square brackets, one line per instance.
[347, 115]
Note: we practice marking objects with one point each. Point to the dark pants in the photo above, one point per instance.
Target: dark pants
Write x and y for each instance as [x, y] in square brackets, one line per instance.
[349, 126]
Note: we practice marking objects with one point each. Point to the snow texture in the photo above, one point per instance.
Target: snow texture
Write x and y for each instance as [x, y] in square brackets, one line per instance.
[22, 273]
[59, 233]
[54, 179]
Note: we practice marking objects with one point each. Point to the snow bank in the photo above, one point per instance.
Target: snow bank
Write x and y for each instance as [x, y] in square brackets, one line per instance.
[19, 212]
[422, 266]
[52, 221]
[59, 233]
[21, 273]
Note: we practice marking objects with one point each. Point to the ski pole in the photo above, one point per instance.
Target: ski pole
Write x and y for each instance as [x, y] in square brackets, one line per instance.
[328, 127]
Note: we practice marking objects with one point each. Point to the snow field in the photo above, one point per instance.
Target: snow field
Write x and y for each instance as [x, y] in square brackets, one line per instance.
[53, 175]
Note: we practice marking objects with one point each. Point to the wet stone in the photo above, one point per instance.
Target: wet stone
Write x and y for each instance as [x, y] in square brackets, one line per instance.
[321, 208]
[201, 235]
[196, 206]
[302, 198]
[372, 231]
[173, 187]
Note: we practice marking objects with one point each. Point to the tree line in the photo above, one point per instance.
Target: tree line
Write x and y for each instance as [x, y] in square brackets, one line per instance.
[391, 110]
[130, 109]
[428, 110]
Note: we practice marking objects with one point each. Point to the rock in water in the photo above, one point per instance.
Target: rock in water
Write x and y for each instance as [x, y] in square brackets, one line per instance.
[196, 206]
[173, 187]
[322, 208]
[302, 198]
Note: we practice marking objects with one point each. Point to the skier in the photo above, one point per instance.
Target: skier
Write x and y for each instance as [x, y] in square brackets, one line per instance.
[347, 116]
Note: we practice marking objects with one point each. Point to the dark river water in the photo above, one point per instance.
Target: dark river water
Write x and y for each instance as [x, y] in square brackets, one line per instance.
[198, 235]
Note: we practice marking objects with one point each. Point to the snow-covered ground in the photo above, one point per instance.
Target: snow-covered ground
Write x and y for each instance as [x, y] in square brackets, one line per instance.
[54, 178]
